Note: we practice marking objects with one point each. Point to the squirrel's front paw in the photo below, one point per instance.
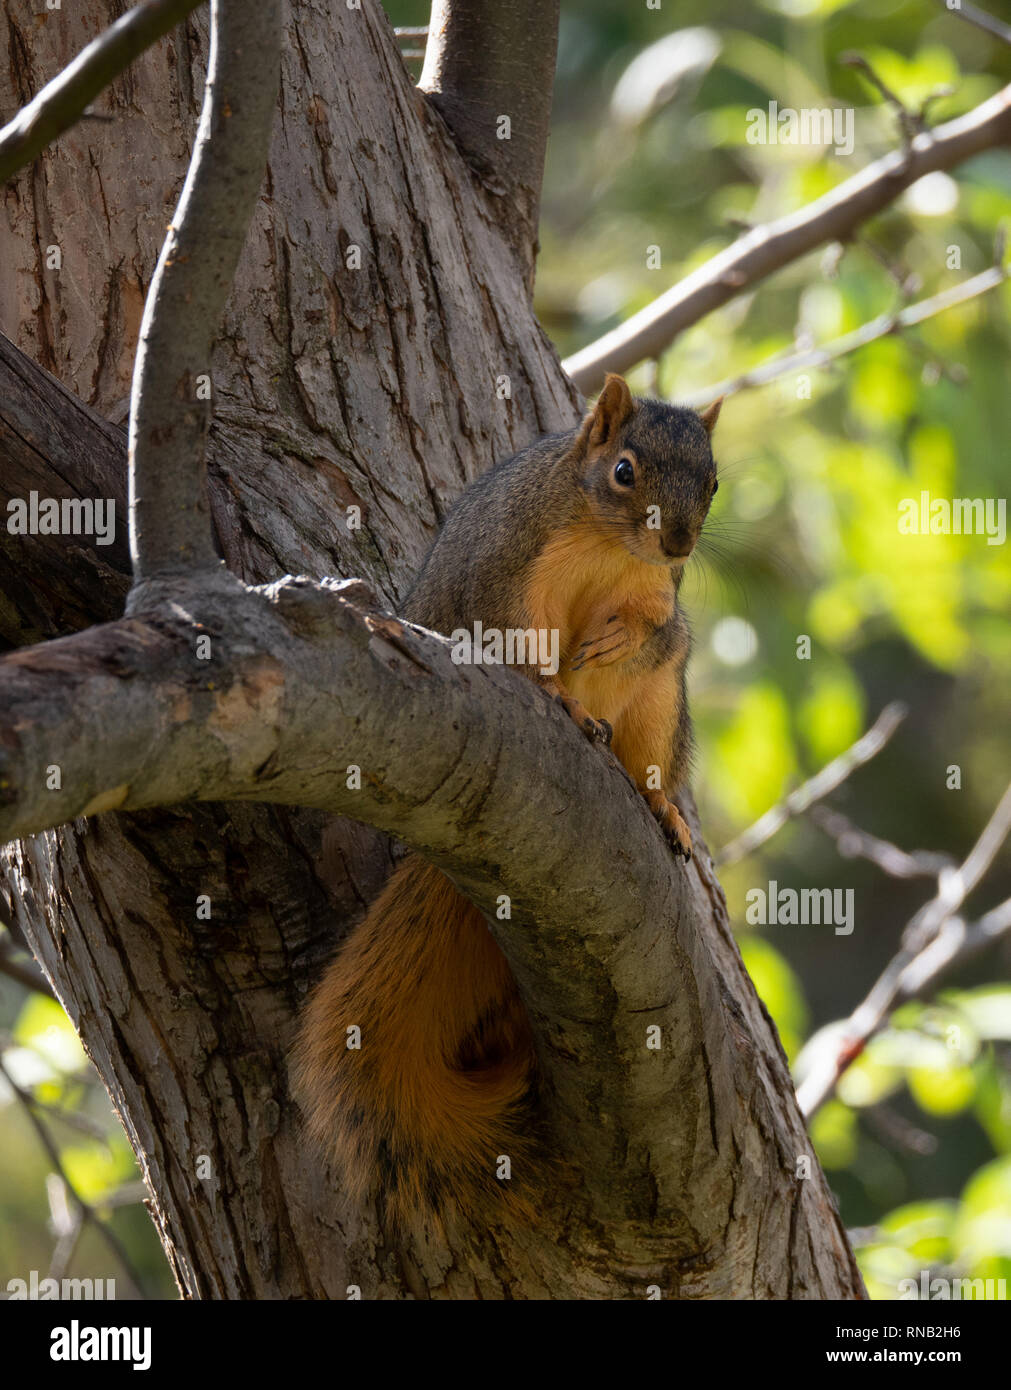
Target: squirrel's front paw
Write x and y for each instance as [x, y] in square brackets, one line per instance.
[672, 823]
[596, 730]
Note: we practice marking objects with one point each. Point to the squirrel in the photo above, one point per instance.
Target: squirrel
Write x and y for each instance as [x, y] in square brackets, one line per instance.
[585, 533]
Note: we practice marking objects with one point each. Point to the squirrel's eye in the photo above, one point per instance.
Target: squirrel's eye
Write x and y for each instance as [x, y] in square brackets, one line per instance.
[624, 473]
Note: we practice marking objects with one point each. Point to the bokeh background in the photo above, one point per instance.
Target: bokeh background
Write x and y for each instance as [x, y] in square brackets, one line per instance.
[649, 149]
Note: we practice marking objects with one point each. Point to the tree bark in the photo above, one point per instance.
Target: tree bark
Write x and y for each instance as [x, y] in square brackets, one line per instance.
[378, 386]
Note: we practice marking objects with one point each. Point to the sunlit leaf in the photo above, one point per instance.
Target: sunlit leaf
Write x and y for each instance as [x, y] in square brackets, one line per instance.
[43, 1026]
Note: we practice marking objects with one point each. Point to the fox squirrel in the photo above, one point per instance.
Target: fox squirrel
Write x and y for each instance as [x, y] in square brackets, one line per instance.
[587, 533]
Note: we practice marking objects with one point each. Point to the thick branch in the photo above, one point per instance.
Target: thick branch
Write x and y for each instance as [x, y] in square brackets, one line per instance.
[489, 59]
[763, 250]
[55, 446]
[468, 764]
[62, 102]
[169, 416]
[133, 717]
[302, 686]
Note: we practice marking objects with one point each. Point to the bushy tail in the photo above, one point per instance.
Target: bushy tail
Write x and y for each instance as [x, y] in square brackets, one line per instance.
[439, 1088]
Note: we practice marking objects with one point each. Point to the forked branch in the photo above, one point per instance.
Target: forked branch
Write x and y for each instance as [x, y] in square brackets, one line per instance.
[489, 71]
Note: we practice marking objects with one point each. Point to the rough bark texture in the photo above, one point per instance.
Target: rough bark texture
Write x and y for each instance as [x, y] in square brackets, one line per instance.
[335, 386]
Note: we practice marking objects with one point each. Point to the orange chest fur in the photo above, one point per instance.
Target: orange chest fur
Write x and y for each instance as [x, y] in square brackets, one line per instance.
[582, 577]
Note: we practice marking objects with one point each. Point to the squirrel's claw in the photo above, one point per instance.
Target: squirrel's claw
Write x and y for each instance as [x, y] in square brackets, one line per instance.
[596, 730]
[672, 823]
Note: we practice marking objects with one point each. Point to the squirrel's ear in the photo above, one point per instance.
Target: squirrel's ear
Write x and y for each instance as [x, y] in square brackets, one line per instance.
[613, 408]
[711, 414]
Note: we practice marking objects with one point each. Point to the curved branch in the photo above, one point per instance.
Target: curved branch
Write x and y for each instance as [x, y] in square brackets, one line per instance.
[355, 686]
[488, 59]
[763, 250]
[63, 102]
[469, 764]
[169, 415]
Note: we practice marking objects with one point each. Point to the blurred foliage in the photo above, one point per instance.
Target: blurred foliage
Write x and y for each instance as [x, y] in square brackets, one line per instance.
[41, 1055]
[803, 541]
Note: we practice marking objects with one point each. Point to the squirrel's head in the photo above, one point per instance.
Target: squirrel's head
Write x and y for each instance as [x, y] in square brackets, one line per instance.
[648, 471]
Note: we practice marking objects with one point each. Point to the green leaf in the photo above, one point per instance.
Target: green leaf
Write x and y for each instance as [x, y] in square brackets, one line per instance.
[834, 1135]
[758, 738]
[988, 1009]
[831, 717]
[96, 1170]
[993, 1103]
[982, 1231]
[923, 1228]
[43, 1026]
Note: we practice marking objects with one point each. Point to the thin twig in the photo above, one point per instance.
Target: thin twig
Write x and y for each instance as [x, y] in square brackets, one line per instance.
[88, 1213]
[955, 942]
[74, 1119]
[982, 20]
[900, 1132]
[765, 249]
[817, 787]
[908, 283]
[880, 327]
[169, 419]
[63, 102]
[910, 123]
[67, 1223]
[26, 974]
[852, 843]
[934, 940]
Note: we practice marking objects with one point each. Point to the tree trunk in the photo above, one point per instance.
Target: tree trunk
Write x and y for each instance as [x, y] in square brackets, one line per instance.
[381, 386]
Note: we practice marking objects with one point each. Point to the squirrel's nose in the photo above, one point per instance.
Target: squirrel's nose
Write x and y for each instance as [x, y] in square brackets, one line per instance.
[678, 544]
